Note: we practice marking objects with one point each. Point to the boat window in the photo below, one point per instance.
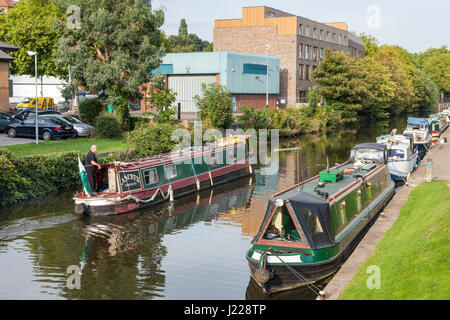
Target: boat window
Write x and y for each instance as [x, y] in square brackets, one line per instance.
[312, 221]
[150, 176]
[282, 227]
[170, 170]
[396, 153]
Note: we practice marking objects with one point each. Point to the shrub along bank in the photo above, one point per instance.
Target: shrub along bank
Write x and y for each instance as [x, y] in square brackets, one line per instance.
[31, 176]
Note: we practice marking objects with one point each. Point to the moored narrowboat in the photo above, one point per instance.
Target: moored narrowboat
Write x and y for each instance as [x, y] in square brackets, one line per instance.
[310, 229]
[128, 186]
[438, 126]
[420, 129]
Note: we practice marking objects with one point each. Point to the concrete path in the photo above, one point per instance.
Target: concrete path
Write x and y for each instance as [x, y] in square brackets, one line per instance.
[440, 156]
[7, 141]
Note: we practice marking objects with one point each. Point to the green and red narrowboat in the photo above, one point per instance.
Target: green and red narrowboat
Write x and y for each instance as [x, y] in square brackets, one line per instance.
[310, 229]
[129, 186]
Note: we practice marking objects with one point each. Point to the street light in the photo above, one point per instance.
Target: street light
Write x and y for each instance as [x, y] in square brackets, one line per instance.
[32, 53]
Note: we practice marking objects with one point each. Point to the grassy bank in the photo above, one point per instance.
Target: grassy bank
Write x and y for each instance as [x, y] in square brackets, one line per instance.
[78, 145]
[413, 256]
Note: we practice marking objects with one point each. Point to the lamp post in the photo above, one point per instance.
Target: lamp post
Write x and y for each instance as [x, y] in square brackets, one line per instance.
[32, 53]
[267, 80]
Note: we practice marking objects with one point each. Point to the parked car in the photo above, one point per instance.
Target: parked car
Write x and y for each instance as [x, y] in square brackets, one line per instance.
[48, 128]
[5, 120]
[31, 112]
[62, 106]
[82, 129]
[44, 103]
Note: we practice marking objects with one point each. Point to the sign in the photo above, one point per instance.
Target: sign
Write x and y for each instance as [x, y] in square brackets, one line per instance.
[81, 97]
[130, 180]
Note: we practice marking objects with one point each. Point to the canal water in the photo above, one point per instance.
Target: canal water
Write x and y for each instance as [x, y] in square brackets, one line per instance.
[192, 249]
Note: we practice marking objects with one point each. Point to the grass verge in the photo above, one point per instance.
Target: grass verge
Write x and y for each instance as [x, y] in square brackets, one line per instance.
[413, 257]
[80, 145]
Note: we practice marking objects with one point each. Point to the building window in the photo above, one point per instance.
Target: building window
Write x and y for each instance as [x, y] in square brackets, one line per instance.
[307, 75]
[321, 35]
[321, 54]
[334, 37]
[315, 33]
[340, 39]
[307, 31]
[250, 68]
[301, 69]
[302, 96]
[300, 29]
[150, 176]
[345, 41]
[300, 51]
[314, 53]
[328, 36]
[306, 52]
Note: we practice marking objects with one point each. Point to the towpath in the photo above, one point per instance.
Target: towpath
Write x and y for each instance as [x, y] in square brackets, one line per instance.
[439, 155]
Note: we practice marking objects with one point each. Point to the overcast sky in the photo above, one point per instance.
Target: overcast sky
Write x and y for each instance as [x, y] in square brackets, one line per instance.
[415, 25]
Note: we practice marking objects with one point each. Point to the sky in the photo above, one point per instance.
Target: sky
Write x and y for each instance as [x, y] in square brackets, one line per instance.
[415, 25]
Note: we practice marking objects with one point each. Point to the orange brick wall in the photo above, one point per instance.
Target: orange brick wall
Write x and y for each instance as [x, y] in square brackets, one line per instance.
[4, 86]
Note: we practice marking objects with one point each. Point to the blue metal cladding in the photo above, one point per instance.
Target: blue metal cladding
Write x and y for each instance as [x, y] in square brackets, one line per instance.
[251, 68]
[164, 69]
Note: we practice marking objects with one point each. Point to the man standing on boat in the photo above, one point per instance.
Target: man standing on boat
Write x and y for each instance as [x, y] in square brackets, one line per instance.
[92, 166]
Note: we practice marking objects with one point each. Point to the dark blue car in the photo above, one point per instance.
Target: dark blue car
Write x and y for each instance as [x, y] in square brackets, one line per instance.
[5, 120]
[48, 128]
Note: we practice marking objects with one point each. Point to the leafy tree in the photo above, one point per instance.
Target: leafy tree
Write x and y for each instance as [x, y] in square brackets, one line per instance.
[215, 106]
[187, 42]
[342, 84]
[163, 100]
[371, 44]
[183, 29]
[436, 64]
[30, 27]
[117, 44]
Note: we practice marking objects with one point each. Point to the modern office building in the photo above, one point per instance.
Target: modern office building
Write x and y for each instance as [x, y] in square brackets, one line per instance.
[298, 42]
[244, 75]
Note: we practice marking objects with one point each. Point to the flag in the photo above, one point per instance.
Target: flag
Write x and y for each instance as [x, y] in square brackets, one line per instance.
[84, 180]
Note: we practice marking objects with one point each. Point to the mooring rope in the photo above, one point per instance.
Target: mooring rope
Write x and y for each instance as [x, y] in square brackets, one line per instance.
[130, 197]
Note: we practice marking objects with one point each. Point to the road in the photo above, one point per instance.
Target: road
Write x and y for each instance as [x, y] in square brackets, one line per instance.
[6, 141]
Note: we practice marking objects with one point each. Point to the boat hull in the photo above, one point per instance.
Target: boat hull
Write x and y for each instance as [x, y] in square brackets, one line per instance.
[113, 206]
[399, 169]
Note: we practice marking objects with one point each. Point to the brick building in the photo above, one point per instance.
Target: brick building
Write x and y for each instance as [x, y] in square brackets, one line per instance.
[5, 5]
[5, 82]
[297, 41]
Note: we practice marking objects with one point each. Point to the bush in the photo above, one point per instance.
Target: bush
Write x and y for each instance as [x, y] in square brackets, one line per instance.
[255, 119]
[90, 108]
[107, 126]
[146, 140]
[215, 106]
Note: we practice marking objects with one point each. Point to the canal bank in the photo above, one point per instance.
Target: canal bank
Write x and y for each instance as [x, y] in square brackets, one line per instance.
[439, 156]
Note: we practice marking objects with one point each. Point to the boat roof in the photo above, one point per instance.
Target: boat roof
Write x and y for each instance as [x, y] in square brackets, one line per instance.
[418, 121]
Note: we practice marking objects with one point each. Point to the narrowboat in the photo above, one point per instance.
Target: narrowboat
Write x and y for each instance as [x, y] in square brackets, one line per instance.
[402, 158]
[438, 126]
[310, 229]
[128, 186]
[420, 129]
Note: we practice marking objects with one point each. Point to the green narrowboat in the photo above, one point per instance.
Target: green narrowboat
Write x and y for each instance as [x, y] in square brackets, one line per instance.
[128, 186]
[310, 229]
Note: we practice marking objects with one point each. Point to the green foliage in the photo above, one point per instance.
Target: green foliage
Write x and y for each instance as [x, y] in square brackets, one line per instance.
[30, 27]
[255, 119]
[114, 49]
[90, 109]
[107, 126]
[23, 178]
[436, 64]
[371, 44]
[122, 112]
[215, 106]
[163, 100]
[186, 42]
[147, 140]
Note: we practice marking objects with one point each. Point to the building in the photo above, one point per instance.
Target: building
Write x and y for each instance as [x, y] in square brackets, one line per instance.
[24, 87]
[297, 41]
[5, 82]
[5, 5]
[244, 75]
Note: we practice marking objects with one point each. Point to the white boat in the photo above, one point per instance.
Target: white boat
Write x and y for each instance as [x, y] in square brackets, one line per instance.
[420, 129]
[402, 158]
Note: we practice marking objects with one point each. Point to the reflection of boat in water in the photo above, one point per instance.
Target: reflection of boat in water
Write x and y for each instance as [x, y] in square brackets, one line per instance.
[133, 185]
[121, 233]
[310, 229]
[402, 159]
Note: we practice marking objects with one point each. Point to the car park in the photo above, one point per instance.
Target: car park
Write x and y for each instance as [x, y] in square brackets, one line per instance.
[31, 112]
[48, 128]
[82, 129]
[5, 120]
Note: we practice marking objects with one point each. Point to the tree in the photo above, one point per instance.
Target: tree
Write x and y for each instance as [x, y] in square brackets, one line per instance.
[114, 49]
[215, 106]
[183, 29]
[342, 84]
[163, 100]
[30, 26]
[187, 42]
[436, 64]
[371, 44]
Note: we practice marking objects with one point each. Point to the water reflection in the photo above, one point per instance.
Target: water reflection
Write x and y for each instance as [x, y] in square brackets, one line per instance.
[194, 249]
